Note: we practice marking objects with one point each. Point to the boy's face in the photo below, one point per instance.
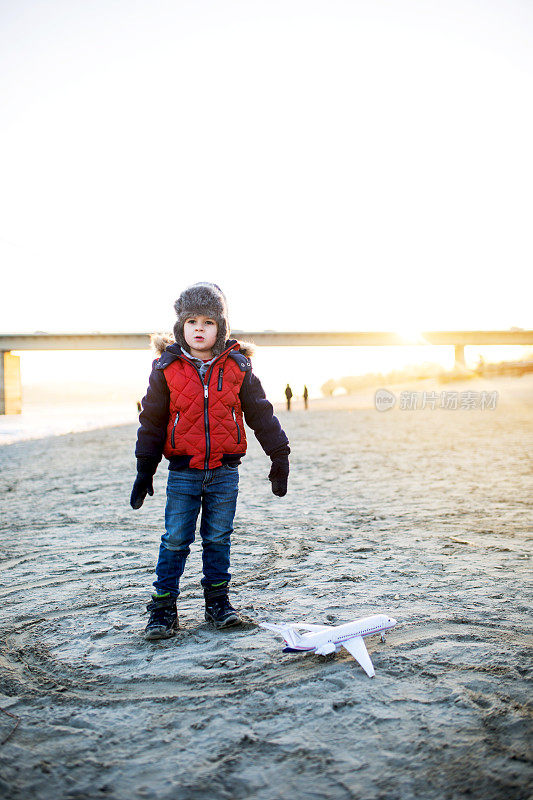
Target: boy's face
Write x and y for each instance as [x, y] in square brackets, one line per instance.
[200, 334]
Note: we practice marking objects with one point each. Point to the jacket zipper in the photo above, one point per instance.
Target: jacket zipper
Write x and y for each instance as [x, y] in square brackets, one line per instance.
[206, 420]
[172, 440]
[220, 375]
[206, 401]
[237, 424]
[206, 414]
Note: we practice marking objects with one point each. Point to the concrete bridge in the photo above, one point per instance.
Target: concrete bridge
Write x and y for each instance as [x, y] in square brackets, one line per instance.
[10, 383]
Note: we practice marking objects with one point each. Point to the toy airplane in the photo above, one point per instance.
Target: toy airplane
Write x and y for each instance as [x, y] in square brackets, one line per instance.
[325, 639]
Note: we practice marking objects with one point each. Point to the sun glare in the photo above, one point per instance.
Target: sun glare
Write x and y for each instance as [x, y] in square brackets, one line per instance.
[410, 335]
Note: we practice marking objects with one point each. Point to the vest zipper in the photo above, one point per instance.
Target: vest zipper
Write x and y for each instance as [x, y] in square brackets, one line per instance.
[206, 416]
[172, 440]
[206, 402]
[237, 424]
[206, 420]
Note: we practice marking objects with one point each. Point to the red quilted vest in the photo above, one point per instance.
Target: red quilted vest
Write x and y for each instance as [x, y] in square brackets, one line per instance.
[205, 419]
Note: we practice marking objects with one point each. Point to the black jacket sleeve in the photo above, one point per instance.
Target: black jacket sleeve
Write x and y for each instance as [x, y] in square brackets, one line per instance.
[154, 420]
[259, 415]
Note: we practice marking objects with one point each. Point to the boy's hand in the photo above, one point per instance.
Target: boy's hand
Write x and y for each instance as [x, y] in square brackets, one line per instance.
[143, 485]
[279, 475]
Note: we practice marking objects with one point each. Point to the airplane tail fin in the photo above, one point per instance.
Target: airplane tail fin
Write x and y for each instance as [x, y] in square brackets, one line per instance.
[287, 631]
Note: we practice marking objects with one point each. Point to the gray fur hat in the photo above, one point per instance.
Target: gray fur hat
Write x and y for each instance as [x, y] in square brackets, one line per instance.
[207, 299]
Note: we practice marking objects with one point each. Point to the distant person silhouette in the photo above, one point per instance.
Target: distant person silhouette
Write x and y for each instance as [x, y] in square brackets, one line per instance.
[306, 397]
[288, 395]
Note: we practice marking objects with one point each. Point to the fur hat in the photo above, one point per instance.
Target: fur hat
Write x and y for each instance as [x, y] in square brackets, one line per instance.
[208, 300]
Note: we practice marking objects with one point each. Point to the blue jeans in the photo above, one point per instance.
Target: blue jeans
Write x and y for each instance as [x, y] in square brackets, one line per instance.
[215, 492]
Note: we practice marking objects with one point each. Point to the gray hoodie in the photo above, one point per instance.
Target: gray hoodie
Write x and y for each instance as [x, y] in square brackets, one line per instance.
[203, 366]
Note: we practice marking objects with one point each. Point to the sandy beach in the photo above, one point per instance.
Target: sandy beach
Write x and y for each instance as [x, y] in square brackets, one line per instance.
[423, 514]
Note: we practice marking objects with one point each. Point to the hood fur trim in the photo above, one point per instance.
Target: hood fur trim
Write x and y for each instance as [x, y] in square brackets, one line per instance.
[160, 342]
[247, 348]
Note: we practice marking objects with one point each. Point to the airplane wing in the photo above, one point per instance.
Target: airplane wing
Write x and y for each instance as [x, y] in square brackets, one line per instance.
[357, 648]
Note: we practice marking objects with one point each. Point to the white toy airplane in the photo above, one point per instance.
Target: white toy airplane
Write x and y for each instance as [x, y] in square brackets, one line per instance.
[325, 639]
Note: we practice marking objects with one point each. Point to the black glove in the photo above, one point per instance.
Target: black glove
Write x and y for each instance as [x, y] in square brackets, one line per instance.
[143, 482]
[279, 475]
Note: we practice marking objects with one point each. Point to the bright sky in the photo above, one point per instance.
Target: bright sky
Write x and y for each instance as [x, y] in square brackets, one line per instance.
[340, 165]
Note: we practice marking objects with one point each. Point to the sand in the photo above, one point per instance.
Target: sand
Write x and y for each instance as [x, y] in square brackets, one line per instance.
[421, 514]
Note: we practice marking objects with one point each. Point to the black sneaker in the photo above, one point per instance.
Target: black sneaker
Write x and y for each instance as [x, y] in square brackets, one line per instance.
[163, 620]
[218, 608]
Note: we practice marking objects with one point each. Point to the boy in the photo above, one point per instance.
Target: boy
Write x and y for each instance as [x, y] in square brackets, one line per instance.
[193, 415]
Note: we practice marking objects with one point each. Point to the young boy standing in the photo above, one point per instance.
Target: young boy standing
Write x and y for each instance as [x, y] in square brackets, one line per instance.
[199, 389]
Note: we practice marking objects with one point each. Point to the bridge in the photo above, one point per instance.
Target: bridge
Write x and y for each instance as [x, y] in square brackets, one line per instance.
[11, 388]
